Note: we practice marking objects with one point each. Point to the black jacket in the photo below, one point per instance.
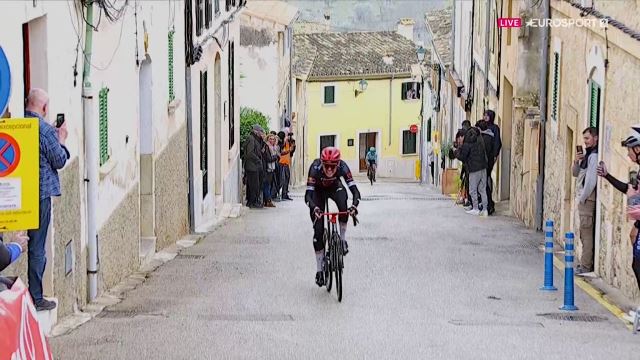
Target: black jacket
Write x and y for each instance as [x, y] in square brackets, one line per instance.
[253, 153]
[472, 152]
[488, 140]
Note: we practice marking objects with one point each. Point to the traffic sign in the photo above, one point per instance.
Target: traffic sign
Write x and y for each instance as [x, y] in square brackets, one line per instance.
[5, 81]
[413, 128]
[19, 174]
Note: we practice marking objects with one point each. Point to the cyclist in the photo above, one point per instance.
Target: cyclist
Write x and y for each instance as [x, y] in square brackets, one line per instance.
[324, 183]
[632, 143]
[372, 160]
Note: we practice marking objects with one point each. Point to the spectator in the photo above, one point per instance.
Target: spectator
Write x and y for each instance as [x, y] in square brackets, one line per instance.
[53, 156]
[272, 158]
[285, 163]
[473, 155]
[464, 173]
[585, 169]
[488, 142]
[490, 117]
[253, 166]
[10, 252]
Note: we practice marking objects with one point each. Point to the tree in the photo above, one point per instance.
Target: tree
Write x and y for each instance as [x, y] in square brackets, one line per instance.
[248, 118]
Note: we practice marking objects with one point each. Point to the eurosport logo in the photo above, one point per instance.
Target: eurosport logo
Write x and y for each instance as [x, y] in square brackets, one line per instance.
[517, 22]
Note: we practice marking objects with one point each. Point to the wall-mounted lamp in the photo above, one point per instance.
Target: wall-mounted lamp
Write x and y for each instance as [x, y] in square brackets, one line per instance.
[362, 86]
[421, 53]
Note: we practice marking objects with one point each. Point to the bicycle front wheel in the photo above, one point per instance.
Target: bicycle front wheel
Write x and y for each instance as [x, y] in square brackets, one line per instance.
[338, 266]
[327, 263]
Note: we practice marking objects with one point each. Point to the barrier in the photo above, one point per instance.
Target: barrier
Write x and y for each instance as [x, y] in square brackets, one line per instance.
[548, 257]
[568, 273]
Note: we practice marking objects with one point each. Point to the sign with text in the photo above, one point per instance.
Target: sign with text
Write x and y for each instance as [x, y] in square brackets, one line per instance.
[19, 174]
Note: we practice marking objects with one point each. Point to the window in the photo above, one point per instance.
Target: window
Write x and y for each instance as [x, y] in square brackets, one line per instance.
[411, 91]
[103, 111]
[227, 5]
[327, 141]
[232, 113]
[208, 14]
[172, 94]
[594, 104]
[429, 130]
[556, 86]
[216, 4]
[408, 143]
[204, 149]
[329, 94]
[199, 16]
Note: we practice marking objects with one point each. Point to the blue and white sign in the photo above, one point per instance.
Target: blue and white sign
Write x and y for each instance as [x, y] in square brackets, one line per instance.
[5, 81]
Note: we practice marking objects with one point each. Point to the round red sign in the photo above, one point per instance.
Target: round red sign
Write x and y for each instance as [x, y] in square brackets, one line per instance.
[413, 128]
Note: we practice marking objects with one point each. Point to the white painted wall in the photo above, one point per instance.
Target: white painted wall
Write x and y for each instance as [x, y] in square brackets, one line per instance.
[462, 53]
[205, 207]
[259, 80]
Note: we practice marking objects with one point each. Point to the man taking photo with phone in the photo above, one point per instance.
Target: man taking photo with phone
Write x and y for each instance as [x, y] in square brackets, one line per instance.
[585, 169]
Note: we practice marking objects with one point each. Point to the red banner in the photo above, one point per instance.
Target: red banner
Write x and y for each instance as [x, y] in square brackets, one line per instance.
[22, 337]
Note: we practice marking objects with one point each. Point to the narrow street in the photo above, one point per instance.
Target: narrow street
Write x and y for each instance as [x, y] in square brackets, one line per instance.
[423, 280]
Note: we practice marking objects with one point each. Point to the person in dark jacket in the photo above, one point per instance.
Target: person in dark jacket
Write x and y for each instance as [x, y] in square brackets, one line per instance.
[253, 165]
[490, 117]
[472, 153]
[488, 138]
[10, 252]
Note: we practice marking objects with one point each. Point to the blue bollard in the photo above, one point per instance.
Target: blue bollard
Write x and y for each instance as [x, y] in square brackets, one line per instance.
[568, 273]
[548, 257]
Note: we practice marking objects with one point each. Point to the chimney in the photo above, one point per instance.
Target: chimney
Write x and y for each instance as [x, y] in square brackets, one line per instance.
[405, 27]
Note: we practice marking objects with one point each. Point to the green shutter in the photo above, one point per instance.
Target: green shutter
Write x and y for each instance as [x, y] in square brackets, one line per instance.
[329, 95]
[103, 125]
[594, 108]
[172, 94]
[556, 84]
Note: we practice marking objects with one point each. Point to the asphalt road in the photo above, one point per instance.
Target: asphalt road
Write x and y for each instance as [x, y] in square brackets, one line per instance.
[423, 280]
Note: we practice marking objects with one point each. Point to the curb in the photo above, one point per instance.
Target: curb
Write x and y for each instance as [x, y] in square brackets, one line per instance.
[117, 293]
[594, 293]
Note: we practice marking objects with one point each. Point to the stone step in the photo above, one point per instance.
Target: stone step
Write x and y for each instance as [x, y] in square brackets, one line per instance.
[147, 248]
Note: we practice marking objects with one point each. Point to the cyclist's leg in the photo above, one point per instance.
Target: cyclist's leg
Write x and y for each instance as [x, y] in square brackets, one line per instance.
[318, 236]
[340, 198]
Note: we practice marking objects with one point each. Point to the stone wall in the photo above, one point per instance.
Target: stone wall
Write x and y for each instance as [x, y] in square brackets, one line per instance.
[172, 191]
[70, 289]
[118, 242]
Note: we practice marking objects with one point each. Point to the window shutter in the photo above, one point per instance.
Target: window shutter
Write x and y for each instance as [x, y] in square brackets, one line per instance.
[172, 94]
[103, 125]
[556, 84]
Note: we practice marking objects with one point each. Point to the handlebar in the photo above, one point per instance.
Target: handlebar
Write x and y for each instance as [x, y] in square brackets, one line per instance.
[334, 215]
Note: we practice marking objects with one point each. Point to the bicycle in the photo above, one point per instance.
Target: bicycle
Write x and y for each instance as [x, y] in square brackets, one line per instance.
[334, 252]
[371, 173]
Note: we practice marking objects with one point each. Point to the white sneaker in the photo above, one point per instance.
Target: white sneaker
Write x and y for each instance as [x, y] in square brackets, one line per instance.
[468, 208]
[473, 212]
[484, 213]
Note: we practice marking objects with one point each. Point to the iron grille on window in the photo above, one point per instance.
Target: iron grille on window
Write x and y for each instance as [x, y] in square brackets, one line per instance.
[227, 5]
[231, 110]
[408, 142]
[216, 4]
[208, 13]
[594, 109]
[556, 84]
[172, 94]
[204, 149]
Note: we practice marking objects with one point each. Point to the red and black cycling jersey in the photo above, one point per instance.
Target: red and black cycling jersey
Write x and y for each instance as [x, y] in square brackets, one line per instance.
[319, 181]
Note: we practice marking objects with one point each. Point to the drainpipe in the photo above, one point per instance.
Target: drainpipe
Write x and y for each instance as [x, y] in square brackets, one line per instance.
[91, 158]
[188, 41]
[544, 76]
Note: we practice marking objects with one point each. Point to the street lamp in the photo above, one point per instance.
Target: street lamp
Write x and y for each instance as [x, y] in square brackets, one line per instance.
[362, 86]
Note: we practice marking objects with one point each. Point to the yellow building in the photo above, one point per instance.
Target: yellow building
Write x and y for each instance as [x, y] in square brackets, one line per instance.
[355, 91]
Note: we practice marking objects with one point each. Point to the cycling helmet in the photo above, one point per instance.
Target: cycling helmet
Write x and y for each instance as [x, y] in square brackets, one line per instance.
[330, 155]
[633, 140]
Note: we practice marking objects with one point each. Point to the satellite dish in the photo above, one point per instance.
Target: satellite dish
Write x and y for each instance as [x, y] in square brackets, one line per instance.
[5, 82]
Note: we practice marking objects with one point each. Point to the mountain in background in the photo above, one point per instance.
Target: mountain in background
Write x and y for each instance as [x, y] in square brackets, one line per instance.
[368, 15]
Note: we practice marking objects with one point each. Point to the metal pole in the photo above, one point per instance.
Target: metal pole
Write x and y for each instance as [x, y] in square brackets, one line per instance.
[422, 180]
[543, 119]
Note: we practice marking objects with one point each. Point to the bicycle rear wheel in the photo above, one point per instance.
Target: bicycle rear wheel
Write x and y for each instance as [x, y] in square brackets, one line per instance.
[338, 264]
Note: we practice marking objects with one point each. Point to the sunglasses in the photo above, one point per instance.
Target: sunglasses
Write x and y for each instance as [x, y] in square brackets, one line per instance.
[330, 167]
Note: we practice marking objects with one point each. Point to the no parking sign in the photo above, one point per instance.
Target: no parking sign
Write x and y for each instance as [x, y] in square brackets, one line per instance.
[19, 174]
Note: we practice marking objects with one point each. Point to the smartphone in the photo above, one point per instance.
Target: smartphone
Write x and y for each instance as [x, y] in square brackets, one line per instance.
[579, 149]
[59, 120]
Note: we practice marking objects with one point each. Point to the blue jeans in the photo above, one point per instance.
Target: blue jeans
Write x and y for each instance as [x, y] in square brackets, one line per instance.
[37, 254]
